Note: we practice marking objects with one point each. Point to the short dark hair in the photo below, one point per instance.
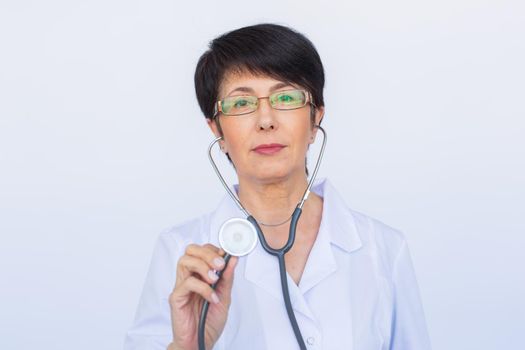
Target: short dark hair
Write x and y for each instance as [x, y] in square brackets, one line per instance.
[269, 49]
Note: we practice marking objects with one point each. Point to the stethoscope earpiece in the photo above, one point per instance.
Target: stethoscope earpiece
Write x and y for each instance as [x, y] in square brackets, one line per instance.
[237, 237]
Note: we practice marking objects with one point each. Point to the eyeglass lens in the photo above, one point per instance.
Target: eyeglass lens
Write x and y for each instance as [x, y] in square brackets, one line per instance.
[283, 100]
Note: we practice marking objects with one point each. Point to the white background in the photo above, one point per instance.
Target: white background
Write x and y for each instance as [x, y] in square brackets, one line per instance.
[102, 145]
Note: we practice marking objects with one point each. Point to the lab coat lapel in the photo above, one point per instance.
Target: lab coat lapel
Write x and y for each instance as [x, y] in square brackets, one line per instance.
[320, 264]
[337, 228]
[262, 269]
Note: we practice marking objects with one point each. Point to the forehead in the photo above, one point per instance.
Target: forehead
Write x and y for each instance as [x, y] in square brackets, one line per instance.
[243, 81]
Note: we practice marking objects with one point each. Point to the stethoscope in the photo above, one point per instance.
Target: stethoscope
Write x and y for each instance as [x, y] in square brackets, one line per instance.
[238, 237]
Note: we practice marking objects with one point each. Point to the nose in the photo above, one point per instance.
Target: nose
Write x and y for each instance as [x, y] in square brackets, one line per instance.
[266, 119]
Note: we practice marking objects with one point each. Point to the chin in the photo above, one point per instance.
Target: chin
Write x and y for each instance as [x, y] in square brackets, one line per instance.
[271, 174]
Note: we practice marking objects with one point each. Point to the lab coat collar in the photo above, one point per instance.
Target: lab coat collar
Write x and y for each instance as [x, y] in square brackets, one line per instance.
[337, 219]
[337, 228]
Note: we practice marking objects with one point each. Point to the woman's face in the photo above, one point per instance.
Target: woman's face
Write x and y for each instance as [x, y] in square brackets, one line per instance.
[267, 145]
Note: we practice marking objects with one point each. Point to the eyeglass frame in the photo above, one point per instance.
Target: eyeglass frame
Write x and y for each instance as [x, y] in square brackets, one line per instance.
[218, 105]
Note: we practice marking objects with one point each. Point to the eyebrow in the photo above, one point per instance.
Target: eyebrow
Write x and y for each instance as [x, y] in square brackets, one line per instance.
[250, 90]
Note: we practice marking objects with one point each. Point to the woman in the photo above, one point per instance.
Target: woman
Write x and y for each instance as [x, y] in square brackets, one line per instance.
[351, 280]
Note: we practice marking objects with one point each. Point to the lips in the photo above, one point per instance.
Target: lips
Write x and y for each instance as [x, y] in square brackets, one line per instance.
[268, 149]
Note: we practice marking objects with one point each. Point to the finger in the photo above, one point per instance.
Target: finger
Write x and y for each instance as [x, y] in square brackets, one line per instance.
[227, 274]
[194, 285]
[221, 252]
[189, 265]
[224, 285]
[212, 247]
[208, 253]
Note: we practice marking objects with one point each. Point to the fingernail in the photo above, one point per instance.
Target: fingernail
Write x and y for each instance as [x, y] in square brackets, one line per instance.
[213, 275]
[219, 262]
[214, 298]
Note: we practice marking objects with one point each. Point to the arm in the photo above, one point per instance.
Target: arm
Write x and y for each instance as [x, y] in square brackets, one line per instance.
[172, 297]
[151, 328]
[409, 331]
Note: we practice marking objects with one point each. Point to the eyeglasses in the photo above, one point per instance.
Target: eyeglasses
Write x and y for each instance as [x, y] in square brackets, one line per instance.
[281, 100]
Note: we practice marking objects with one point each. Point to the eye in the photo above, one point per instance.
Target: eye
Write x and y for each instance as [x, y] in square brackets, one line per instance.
[241, 102]
[288, 99]
[285, 98]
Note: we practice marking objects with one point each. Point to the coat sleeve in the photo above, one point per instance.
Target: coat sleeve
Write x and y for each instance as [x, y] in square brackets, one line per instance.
[151, 328]
[409, 330]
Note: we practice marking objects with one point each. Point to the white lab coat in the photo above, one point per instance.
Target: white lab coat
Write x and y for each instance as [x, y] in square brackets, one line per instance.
[358, 290]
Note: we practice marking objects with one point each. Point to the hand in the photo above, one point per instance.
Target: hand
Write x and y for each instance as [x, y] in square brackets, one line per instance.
[195, 274]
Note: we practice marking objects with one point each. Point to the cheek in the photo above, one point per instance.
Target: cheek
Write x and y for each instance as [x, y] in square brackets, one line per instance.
[302, 136]
[235, 139]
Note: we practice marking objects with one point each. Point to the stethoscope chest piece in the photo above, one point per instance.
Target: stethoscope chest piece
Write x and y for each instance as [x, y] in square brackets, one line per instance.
[237, 237]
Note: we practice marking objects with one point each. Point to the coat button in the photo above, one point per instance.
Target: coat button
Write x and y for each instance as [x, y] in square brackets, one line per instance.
[310, 340]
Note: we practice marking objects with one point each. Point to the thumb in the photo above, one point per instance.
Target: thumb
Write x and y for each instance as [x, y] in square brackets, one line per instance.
[225, 283]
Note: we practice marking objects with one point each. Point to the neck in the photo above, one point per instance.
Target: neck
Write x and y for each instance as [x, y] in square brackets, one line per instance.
[272, 202]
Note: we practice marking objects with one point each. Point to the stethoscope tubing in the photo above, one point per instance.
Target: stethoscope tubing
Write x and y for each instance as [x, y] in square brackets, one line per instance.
[279, 253]
[206, 306]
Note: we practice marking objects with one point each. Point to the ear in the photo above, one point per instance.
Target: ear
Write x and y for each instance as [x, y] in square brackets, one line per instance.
[212, 124]
[319, 115]
[216, 130]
